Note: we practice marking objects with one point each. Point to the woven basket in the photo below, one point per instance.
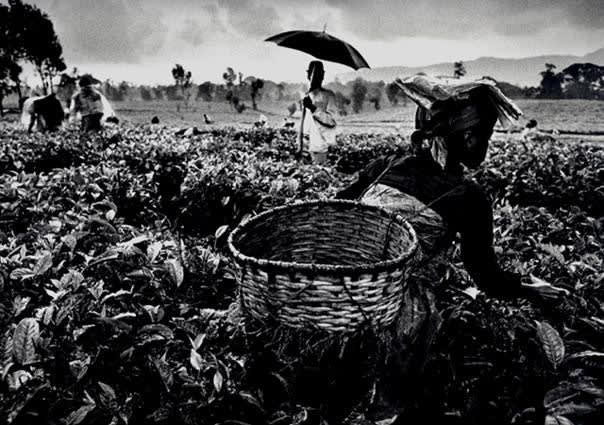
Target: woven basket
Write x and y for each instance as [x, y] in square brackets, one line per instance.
[333, 265]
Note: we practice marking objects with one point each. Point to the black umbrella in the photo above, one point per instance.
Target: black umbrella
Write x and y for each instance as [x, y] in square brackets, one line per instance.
[322, 46]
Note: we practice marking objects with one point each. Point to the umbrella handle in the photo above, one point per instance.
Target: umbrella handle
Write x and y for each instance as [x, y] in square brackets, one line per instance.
[301, 132]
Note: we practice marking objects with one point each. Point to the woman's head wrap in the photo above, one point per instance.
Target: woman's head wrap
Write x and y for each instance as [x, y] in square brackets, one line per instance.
[448, 117]
[437, 94]
[87, 80]
[460, 127]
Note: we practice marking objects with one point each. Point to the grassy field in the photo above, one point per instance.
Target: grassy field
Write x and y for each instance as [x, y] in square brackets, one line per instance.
[563, 115]
[582, 116]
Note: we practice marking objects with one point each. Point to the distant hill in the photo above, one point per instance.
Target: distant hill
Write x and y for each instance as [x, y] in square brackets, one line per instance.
[520, 72]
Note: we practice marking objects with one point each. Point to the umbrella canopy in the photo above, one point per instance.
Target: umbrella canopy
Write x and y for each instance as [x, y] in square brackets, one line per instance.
[322, 46]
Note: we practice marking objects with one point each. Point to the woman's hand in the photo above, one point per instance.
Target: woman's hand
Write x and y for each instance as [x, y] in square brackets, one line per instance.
[543, 289]
[307, 103]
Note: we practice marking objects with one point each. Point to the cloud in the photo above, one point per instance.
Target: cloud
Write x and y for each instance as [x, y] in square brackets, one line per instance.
[253, 17]
[391, 19]
[587, 13]
[106, 31]
[133, 32]
[192, 32]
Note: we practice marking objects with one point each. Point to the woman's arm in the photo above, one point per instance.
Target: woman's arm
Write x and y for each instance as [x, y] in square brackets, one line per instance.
[366, 178]
[73, 109]
[32, 120]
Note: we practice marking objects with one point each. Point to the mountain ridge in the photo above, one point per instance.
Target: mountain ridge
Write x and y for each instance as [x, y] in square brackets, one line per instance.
[519, 71]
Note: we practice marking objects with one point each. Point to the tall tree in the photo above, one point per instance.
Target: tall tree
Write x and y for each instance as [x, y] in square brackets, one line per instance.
[205, 90]
[459, 69]
[11, 52]
[280, 91]
[255, 87]
[9, 71]
[68, 85]
[182, 80]
[583, 81]
[375, 96]
[359, 92]
[229, 78]
[392, 93]
[551, 84]
[124, 89]
[40, 45]
[342, 103]
[145, 93]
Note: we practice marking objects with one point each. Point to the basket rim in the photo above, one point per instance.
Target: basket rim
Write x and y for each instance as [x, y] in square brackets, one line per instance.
[321, 268]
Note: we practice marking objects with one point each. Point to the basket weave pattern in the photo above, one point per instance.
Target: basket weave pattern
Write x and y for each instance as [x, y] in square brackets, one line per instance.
[332, 265]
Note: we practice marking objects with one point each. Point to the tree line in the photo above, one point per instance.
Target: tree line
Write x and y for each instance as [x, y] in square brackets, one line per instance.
[577, 81]
[27, 35]
[249, 92]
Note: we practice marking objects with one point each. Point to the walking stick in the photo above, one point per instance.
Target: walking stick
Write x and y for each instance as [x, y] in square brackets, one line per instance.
[301, 132]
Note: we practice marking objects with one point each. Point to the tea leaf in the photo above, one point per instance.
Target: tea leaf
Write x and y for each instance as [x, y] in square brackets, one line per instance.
[557, 420]
[43, 265]
[196, 360]
[22, 273]
[553, 251]
[220, 231]
[18, 378]
[153, 251]
[551, 342]
[25, 336]
[77, 416]
[176, 271]
[218, 381]
[107, 390]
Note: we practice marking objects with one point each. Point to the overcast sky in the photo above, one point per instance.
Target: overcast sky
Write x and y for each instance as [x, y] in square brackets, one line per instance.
[139, 41]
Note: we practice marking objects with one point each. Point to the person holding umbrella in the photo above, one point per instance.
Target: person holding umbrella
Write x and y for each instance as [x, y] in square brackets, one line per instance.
[319, 101]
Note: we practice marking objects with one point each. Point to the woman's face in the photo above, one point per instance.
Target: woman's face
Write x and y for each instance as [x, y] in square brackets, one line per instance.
[475, 147]
[469, 146]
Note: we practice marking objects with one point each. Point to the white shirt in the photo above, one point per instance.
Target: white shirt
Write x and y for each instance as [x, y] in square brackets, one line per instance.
[321, 127]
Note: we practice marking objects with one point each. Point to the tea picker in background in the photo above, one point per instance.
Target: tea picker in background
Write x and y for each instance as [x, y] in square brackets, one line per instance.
[45, 111]
[262, 121]
[532, 133]
[320, 102]
[91, 105]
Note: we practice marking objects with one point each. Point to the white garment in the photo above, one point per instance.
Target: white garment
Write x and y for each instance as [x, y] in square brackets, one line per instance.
[321, 137]
[28, 110]
[321, 125]
[105, 105]
[107, 109]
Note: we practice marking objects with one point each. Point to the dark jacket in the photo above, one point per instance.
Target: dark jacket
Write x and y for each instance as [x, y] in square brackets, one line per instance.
[461, 202]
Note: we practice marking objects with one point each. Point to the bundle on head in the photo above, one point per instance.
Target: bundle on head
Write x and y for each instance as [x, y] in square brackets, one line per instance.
[466, 125]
